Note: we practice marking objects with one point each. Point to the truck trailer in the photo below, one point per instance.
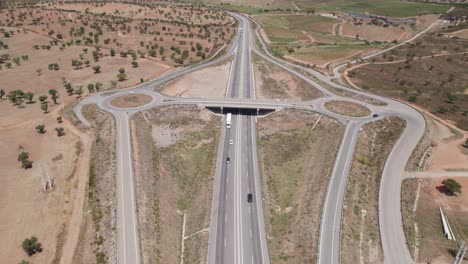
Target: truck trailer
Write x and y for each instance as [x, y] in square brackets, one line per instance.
[228, 120]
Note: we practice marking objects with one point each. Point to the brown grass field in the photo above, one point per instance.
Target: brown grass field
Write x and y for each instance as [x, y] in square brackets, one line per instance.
[295, 162]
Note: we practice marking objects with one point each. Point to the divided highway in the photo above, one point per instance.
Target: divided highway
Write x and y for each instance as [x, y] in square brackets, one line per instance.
[237, 232]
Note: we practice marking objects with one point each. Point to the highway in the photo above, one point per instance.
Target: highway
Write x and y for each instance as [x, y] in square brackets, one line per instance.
[237, 232]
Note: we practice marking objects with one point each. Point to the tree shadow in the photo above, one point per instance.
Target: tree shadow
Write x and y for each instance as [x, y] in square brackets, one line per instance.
[444, 190]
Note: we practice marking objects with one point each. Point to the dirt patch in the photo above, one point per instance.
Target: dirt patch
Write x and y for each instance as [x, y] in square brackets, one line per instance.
[98, 240]
[360, 240]
[347, 108]
[273, 82]
[175, 154]
[295, 162]
[433, 246]
[131, 100]
[372, 32]
[208, 82]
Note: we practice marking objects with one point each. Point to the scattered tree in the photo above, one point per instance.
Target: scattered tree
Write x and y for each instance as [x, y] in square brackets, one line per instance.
[29, 96]
[31, 246]
[134, 64]
[121, 76]
[23, 157]
[97, 69]
[452, 186]
[40, 129]
[59, 119]
[69, 88]
[79, 91]
[91, 87]
[43, 98]
[2, 93]
[98, 86]
[44, 107]
[60, 131]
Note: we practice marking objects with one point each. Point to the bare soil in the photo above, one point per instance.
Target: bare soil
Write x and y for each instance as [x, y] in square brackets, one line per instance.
[273, 82]
[25, 209]
[208, 82]
[295, 163]
[433, 246]
[173, 179]
[372, 32]
[131, 100]
[347, 108]
[360, 242]
[98, 239]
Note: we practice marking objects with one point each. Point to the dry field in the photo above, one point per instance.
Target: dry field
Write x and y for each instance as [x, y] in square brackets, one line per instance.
[25, 209]
[347, 108]
[372, 32]
[176, 35]
[208, 82]
[422, 220]
[274, 83]
[360, 240]
[441, 92]
[295, 163]
[175, 156]
[98, 239]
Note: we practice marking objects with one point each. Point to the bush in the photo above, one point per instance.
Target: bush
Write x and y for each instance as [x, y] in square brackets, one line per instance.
[452, 186]
[31, 246]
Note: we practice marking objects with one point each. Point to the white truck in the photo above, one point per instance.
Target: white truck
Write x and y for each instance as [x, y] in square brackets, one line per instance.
[228, 120]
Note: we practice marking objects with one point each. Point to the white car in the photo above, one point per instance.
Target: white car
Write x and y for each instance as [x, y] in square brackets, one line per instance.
[231, 142]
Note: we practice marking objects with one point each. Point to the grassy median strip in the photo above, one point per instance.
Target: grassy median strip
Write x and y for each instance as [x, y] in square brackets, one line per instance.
[295, 162]
[175, 155]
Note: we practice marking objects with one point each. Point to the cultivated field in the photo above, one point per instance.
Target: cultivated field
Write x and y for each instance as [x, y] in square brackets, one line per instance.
[295, 163]
[175, 155]
[361, 237]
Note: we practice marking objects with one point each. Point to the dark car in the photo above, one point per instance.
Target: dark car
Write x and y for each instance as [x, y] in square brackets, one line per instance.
[249, 198]
[375, 115]
[228, 160]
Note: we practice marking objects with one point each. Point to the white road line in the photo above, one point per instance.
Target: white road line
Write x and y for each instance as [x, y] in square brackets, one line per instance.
[122, 189]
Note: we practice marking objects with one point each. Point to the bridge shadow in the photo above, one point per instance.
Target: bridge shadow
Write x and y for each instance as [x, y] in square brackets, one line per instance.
[240, 111]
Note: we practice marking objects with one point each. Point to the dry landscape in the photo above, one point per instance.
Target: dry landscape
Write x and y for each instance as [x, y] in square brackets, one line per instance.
[170, 144]
[52, 55]
[295, 162]
[273, 82]
[361, 237]
[347, 108]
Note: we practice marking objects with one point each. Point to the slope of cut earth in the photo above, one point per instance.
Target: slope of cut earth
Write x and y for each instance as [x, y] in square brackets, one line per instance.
[360, 242]
[175, 156]
[422, 222]
[275, 83]
[97, 241]
[208, 82]
[25, 209]
[295, 162]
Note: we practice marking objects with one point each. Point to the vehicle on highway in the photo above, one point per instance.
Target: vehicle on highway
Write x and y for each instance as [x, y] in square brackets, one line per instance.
[249, 198]
[375, 115]
[228, 160]
[228, 120]
[231, 142]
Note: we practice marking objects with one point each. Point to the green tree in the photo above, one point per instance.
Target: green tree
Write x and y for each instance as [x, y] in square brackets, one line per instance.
[97, 69]
[24, 262]
[112, 52]
[451, 97]
[79, 91]
[98, 86]
[54, 95]
[2, 93]
[59, 119]
[69, 88]
[134, 64]
[40, 129]
[31, 246]
[121, 76]
[29, 96]
[91, 87]
[452, 186]
[44, 107]
[60, 131]
[43, 98]
[23, 156]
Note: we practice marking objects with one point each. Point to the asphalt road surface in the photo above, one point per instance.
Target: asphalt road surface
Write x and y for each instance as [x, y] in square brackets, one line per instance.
[237, 233]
